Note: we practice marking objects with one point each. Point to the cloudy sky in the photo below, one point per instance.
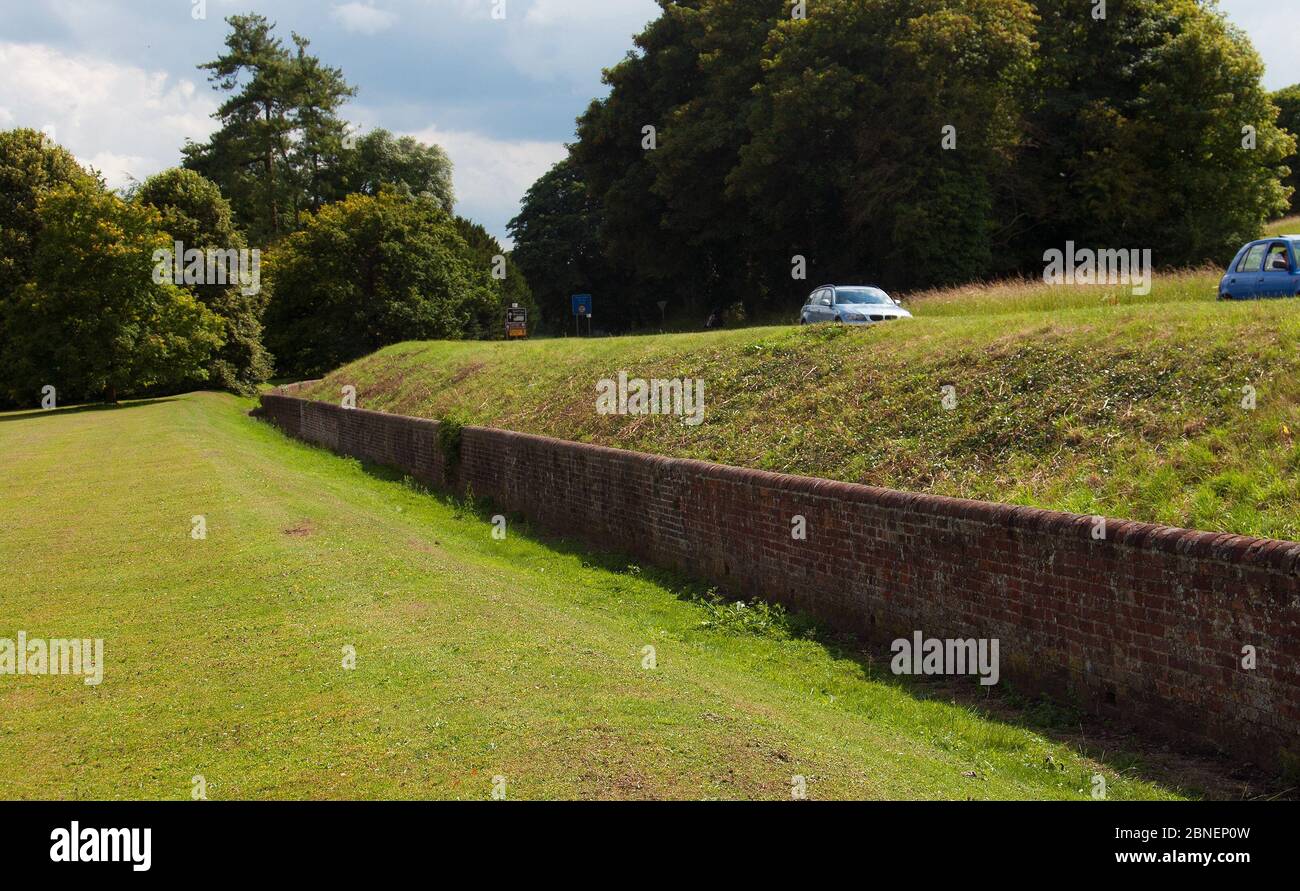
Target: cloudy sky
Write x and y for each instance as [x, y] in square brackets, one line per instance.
[115, 80]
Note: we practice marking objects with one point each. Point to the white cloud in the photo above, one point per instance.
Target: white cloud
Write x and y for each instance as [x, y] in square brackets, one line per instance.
[571, 40]
[1274, 34]
[491, 175]
[121, 119]
[552, 12]
[363, 18]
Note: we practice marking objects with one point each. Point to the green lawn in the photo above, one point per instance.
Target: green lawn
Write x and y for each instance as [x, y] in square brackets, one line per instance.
[475, 657]
[1085, 399]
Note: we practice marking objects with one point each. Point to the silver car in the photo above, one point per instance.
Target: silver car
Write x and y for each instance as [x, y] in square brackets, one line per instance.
[851, 305]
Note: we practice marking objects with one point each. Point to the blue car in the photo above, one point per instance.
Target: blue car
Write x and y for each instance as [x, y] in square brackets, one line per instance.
[1264, 268]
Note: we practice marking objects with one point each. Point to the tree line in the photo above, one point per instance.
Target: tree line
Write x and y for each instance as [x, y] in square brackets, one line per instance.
[906, 143]
[743, 154]
[347, 242]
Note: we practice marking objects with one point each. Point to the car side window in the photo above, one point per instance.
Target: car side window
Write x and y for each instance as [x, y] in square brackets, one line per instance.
[1279, 260]
[825, 299]
[1254, 259]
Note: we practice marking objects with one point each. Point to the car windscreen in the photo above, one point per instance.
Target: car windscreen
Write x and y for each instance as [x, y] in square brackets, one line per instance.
[858, 296]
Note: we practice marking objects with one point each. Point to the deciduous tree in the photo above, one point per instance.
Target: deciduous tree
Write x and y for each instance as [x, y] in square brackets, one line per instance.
[1288, 102]
[368, 271]
[194, 213]
[92, 321]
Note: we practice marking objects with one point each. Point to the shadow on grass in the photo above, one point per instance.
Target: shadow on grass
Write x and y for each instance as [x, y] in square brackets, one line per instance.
[32, 413]
[1204, 775]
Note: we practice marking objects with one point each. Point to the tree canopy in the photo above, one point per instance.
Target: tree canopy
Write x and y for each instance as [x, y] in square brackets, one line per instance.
[92, 321]
[557, 242]
[195, 214]
[368, 271]
[283, 150]
[904, 143]
[509, 286]
[30, 164]
[279, 131]
[1288, 102]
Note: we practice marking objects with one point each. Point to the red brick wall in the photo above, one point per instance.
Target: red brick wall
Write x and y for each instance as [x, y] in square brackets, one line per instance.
[1146, 625]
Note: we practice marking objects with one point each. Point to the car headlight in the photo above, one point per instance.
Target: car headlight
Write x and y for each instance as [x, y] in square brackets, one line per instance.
[855, 317]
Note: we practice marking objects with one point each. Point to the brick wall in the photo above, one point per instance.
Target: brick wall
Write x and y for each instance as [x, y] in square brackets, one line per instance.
[1147, 625]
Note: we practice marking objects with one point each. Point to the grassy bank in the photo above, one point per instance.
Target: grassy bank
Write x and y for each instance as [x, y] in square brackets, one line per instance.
[1084, 399]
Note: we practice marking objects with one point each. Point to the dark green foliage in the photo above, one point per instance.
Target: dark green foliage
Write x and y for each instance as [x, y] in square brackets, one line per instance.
[852, 105]
[194, 213]
[485, 252]
[369, 271]
[508, 281]
[557, 244]
[280, 136]
[449, 435]
[1288, 101]
[29, 165]
[824, 138]
[379, 159]
[1136, 128]
[92, 321]
[283, 152]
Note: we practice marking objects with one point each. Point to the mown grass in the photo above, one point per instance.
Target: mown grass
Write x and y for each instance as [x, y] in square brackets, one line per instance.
[475, 658]
[1084, 399]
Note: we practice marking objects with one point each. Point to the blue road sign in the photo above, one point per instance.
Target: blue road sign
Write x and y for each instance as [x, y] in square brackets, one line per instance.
[582, 305]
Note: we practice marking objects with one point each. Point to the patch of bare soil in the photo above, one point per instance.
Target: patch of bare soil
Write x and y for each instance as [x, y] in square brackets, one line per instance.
[466, 371]
[301, 530]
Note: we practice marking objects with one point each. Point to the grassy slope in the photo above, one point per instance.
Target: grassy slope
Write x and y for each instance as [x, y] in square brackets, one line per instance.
[1083, 399]
[475, 657]
[1284, 226]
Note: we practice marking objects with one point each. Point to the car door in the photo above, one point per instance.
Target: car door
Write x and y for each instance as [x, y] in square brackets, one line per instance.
[1243, 280]
[1292, 287]
[807, 312]
[825, 311]
[1275, 277]
[810, 309]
